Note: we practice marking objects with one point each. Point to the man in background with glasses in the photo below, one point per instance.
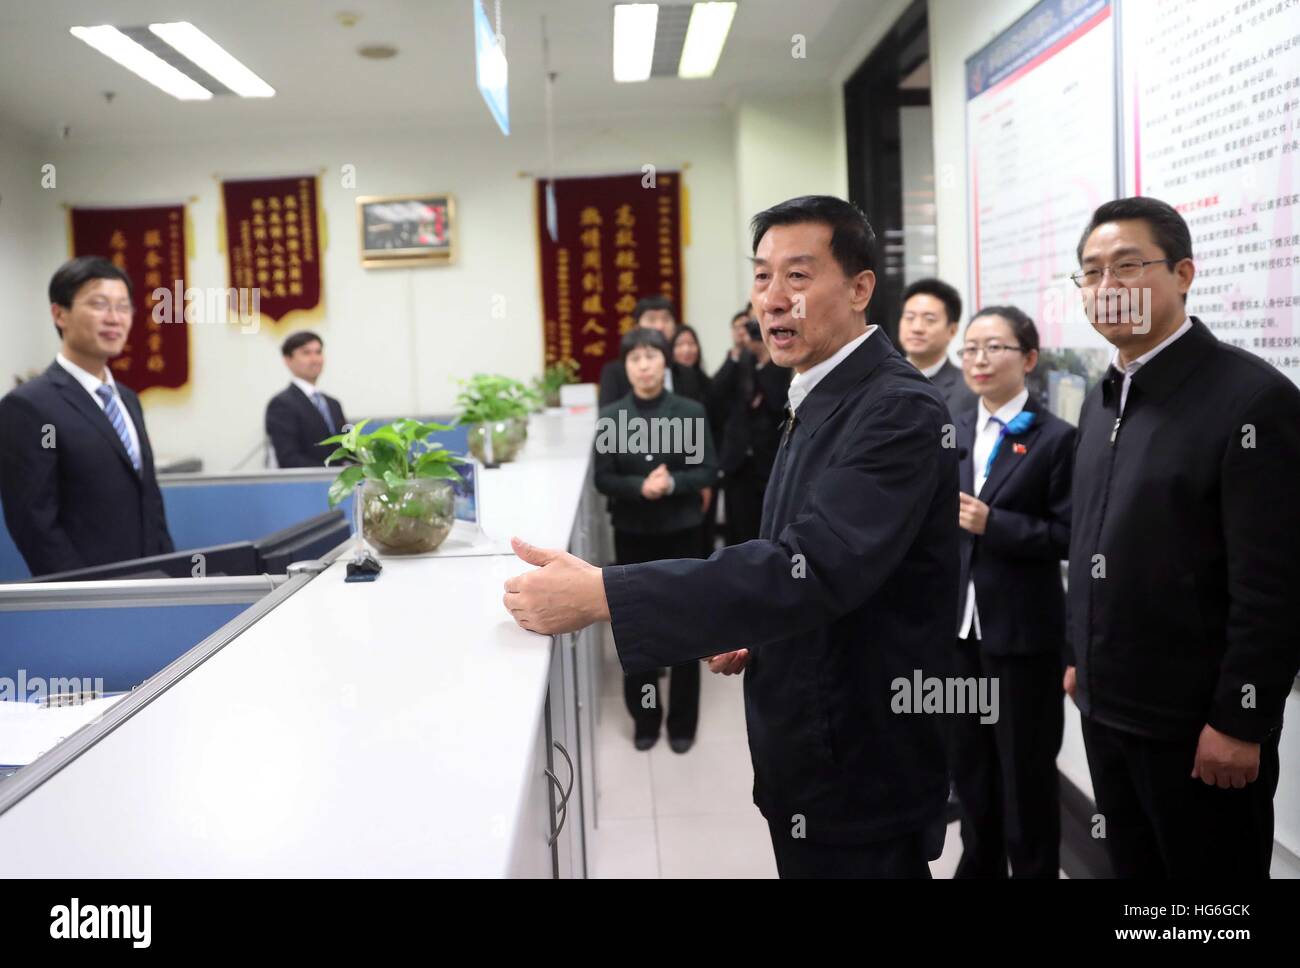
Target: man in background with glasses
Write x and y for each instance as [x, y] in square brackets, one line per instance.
[76, 468]
[1183, 563]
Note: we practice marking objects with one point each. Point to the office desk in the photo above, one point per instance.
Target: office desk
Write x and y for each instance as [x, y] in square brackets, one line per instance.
[405, 727]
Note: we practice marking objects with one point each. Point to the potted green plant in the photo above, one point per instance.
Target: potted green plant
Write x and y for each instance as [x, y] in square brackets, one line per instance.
[557, 375]
[495, 409]
[406, 502]
[528, 399]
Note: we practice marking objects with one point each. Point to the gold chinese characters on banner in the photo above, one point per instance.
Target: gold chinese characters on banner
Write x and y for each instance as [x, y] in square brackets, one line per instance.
[273, 245]
[149, 245]
[617, 240]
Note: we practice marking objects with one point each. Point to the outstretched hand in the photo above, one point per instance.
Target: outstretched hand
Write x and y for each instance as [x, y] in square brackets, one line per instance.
[562, 594]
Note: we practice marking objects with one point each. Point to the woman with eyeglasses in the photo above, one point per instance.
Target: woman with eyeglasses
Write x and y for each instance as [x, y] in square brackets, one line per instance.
[1016, 460]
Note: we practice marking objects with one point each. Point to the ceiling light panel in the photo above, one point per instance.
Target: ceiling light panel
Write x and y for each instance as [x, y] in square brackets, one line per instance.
[213, 58]
[116, 46]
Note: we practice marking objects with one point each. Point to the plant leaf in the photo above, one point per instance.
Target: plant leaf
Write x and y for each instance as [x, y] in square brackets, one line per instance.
[344, 484]
[441, 471]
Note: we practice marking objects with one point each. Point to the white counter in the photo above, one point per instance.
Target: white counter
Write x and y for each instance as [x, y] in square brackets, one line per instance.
[383, 729]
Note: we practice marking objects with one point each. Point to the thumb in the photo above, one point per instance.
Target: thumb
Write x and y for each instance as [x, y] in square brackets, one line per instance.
[531, 554]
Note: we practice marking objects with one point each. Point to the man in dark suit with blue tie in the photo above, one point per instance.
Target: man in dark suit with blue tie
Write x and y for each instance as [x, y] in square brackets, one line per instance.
[846, 599]
[1016, 460]
[76, 468]
[300, 416]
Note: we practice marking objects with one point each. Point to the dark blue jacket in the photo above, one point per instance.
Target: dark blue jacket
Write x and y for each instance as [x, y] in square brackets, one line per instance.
[852, 586]
[296, 428]
[1185, 545]
[79, 502]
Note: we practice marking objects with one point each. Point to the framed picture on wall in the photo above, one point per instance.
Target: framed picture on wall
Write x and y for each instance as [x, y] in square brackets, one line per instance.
[406, 230]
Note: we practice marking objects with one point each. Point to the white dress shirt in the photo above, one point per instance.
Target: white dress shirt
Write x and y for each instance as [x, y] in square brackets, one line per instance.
[308, 388]
[801, 384]
[91, 384]
[929, 372]
[1146, 357]
[986, 435]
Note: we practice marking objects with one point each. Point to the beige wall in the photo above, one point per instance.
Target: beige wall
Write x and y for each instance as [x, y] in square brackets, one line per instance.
[396, 339]
[26, 220]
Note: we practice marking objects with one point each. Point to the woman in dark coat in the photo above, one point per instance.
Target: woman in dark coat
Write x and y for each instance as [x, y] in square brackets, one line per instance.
[654, 456]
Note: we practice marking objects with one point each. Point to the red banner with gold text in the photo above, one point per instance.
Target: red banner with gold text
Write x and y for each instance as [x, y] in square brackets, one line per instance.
[149, 244]
[273, 245]
[618, 238]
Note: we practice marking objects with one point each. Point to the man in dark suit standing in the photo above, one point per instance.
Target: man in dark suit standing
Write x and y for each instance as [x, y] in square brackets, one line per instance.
[76, 468]
[654, 312]
[931, 312]
[300, 416]
[1183, 563]
[848, 595]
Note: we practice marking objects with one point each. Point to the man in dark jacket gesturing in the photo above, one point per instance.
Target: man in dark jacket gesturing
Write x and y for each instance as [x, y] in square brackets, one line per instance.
[848, 595]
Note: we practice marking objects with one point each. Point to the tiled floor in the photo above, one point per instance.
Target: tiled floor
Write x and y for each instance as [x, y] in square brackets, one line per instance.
[662, 814]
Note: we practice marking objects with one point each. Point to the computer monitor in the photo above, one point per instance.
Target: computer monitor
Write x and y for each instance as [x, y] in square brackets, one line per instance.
[229, 560]
[304, 541]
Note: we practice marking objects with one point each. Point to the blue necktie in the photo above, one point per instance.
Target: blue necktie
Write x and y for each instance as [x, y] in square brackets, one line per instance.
[118, 420]
[1016, 425]
[324, 409]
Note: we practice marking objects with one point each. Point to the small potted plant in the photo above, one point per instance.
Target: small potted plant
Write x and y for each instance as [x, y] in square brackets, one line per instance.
[529, 400]
[406, 502]
[557, 375]
[495, 409]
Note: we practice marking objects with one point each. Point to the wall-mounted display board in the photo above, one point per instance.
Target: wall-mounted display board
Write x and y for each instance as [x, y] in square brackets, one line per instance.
[1211, 125]
[1041, 126]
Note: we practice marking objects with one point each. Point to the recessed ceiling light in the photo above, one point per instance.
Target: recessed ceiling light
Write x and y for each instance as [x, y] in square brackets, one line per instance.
[705, 37]
[634, 40]
[115, 45]
[213, 58]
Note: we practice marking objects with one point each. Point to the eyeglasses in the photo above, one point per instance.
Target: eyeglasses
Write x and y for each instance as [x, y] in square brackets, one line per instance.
[1127, 271]
[103, 305]
[992, 350]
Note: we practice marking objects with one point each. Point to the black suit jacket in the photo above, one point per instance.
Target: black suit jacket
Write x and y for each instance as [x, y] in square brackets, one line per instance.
[1016, 563]
[956, 393]
[614, 384]
[1188, 616]
[295, 425]
[850, 590]
[753, 432]
[71, 497]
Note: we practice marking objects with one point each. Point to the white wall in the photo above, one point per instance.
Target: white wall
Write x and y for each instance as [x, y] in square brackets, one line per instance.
[396, 339]
[25, 314]
[784, 148]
